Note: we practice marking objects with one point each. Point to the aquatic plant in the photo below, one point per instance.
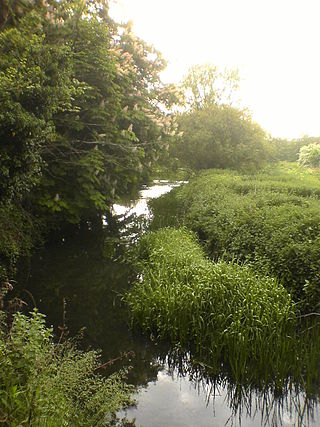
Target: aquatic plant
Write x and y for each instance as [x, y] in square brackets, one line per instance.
[224, 311]
[295, 398]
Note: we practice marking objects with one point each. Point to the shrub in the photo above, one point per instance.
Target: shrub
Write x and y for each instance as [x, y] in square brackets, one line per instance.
[221, 137]
[43, 384]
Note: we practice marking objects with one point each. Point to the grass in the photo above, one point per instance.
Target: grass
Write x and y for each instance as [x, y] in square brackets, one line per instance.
[224, 312]
[270, 219]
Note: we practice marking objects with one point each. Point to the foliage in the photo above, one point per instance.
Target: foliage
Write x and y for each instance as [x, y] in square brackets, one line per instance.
[81, 101]
[18, 234]
[108, 142]
[212, 132]
[83, 114]
[309, 155]
[225, 311]
[270, 219]
[288, 150]
[205, 86]
[53, 385]
[34, 85]
[221, 136]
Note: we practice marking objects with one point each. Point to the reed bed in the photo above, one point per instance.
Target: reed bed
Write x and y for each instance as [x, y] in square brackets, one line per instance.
[223, 311]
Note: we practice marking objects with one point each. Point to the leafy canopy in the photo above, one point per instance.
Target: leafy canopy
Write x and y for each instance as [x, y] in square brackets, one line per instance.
[309, 155]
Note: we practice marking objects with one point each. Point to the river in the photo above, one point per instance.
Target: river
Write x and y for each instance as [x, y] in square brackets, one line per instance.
[76, 286]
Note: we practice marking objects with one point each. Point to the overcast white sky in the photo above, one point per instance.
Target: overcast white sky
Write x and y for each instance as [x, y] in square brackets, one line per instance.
[275, 44]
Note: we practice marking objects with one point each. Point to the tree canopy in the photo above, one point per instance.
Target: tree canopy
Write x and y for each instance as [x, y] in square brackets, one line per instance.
[214, 133]
[221, 137]
[205, 86]
[309, 155]
[81, 116]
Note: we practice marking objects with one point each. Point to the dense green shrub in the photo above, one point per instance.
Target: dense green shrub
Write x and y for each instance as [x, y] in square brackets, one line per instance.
[19, 232]
[42, 384]
[309, 155]
[271, 219]
[223, 310]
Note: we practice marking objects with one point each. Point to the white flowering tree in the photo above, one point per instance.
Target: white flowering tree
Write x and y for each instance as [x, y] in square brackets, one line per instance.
[309, 155]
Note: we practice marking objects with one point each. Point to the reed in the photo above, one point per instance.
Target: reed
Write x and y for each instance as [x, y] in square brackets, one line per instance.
[223, 311]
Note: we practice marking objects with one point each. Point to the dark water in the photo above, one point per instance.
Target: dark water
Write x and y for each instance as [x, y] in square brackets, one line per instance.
[171, 391]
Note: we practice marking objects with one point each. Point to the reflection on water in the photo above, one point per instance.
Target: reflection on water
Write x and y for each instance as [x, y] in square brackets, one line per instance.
[140, 206]
[173, 391]
[185, 395]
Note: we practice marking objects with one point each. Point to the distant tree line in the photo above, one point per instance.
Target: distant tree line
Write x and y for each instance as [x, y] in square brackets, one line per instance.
[288, 150]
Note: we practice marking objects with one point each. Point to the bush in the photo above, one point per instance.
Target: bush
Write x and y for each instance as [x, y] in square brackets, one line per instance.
[221, 137]
[42, 384]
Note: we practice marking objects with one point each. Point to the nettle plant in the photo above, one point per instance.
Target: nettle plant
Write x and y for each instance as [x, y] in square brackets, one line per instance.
[42, 383]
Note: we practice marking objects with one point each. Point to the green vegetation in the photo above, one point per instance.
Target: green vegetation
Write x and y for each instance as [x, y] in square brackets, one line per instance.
[225, 312]
[84, 119]
[288, 150]
[46, 384]
[214, 132]
[270, 219]
[83, 115]
[221, 137]
[309, 155]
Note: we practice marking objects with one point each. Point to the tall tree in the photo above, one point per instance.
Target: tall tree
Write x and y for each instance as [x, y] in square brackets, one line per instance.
[35, 84]
[107, 141]
[216, 134]
[205, 85]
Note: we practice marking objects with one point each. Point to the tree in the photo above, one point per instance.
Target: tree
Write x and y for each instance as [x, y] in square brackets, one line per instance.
[221, 137]
[205, 86]
[35, 84]
[309, 155]
[116, 127]
[288, 150]
[83, 111]
[215, 134]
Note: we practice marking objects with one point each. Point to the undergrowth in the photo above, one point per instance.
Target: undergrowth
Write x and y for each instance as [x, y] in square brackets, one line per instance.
[46, 384]
[270, 219]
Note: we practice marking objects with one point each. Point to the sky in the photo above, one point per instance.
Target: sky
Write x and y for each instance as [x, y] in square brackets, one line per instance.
[275, 44]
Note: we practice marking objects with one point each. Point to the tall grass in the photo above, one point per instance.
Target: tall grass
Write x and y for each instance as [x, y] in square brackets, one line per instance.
[271, 219]
[223, 311]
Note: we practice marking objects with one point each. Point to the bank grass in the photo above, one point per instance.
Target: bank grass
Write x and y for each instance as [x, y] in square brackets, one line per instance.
[53, 385]
[270, 219]
[222, 310]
